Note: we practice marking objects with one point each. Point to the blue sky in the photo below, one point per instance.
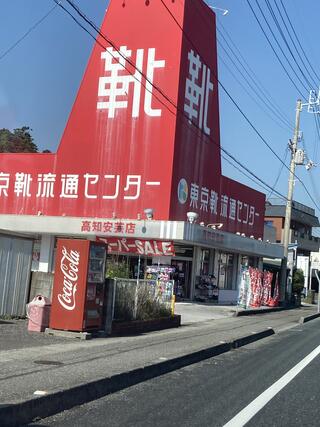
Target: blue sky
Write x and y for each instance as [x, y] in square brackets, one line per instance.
[40, 77]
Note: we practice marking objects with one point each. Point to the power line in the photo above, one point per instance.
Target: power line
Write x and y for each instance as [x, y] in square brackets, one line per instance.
[315, 190]
[77, 9]
[304, 186]
[34, 26]
[298, 41]
[280, 47]
[112, 44]
[117, 49]
[228, 94]
[256, 92]
[273, 49]
[278, 176]
[316, 117]
[237, 106]
[133, 65]
[287, 44]
[314, 186]
[223, 87]
[294, 44]
[265, 187]
[253, 76]
[301, 59]
[316, 145]
[250, 96]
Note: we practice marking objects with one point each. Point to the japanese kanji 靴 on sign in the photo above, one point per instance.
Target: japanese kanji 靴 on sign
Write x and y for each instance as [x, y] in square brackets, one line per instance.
[144, 129]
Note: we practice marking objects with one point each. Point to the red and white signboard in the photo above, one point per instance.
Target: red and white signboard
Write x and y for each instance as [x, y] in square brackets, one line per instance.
[147, 105]
[69, 288]
[78, 288]
[138, 246]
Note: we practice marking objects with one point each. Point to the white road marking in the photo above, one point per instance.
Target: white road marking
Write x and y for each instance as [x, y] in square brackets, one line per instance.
[40, 393]
[257, 404]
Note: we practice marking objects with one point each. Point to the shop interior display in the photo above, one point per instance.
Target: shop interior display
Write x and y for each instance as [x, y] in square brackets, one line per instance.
[180, 277]
[162, 276]
[179, 289]
[206, 288]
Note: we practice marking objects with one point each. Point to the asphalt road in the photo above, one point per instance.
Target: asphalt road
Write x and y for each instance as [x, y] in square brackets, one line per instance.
[213, 392]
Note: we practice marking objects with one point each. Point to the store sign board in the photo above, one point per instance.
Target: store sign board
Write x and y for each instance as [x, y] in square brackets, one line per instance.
[147, 105]
[315, 265]
[213, 237]
[138, 246]
[303, 264]
[315, 261]
[121, 128]
[107, 226]
[197, 138]
[290, 261]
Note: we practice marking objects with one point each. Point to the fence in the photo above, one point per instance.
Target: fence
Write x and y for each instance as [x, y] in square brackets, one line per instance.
[142, 299]
[15, 263]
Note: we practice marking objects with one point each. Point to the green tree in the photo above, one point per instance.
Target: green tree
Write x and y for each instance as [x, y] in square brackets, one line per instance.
[18, 141]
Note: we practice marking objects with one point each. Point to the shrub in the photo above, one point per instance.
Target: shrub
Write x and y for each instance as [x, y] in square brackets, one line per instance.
[138, 303]
[117, 269]
[297, 281]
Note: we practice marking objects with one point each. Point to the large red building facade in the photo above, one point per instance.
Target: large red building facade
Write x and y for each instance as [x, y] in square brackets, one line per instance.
[143, 131]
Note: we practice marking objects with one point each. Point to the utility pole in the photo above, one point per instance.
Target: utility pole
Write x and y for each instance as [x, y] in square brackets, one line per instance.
[286, 230]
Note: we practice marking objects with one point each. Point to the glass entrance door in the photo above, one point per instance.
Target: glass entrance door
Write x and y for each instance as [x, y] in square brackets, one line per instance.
[182, 278]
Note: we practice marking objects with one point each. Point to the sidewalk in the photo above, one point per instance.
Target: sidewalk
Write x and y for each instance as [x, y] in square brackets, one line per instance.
[71, 372]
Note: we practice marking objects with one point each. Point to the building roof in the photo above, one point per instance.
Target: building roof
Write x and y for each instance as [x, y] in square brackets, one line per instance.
[300, 213]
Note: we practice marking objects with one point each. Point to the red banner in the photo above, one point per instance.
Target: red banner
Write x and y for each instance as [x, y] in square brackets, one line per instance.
[138, 246]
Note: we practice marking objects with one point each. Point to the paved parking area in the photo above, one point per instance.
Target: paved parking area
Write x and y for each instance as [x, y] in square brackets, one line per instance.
[193, 312]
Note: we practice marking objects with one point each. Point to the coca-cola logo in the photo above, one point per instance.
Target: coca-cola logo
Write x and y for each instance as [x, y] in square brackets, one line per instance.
[69, 266]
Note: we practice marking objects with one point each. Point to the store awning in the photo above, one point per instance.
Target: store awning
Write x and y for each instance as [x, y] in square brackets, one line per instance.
[177, 231]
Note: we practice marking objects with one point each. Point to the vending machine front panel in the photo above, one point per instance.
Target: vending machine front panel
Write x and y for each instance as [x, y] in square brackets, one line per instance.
[70, 282]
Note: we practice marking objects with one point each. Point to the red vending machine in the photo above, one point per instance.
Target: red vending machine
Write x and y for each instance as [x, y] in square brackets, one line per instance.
[78, 287]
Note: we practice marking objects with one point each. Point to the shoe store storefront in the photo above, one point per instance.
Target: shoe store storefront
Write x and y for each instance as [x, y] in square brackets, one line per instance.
[204, 263]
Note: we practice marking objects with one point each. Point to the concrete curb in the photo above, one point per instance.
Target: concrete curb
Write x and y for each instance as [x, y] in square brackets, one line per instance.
[308, 318]
[45, 406]
[261, 311]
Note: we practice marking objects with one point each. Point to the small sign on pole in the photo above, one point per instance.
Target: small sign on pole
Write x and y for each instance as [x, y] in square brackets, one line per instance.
[317, 274]
[315, 262]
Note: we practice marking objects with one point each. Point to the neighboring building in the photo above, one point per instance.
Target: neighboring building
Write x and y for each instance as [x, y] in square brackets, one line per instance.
[301, 240]
[303, 219]
[142, 138]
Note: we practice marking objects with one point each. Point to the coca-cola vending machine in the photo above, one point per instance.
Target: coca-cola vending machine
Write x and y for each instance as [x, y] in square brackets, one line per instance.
[78, 287]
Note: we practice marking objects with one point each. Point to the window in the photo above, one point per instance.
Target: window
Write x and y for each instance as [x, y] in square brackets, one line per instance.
[226, 279]
[204, 267]
[268, 223]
